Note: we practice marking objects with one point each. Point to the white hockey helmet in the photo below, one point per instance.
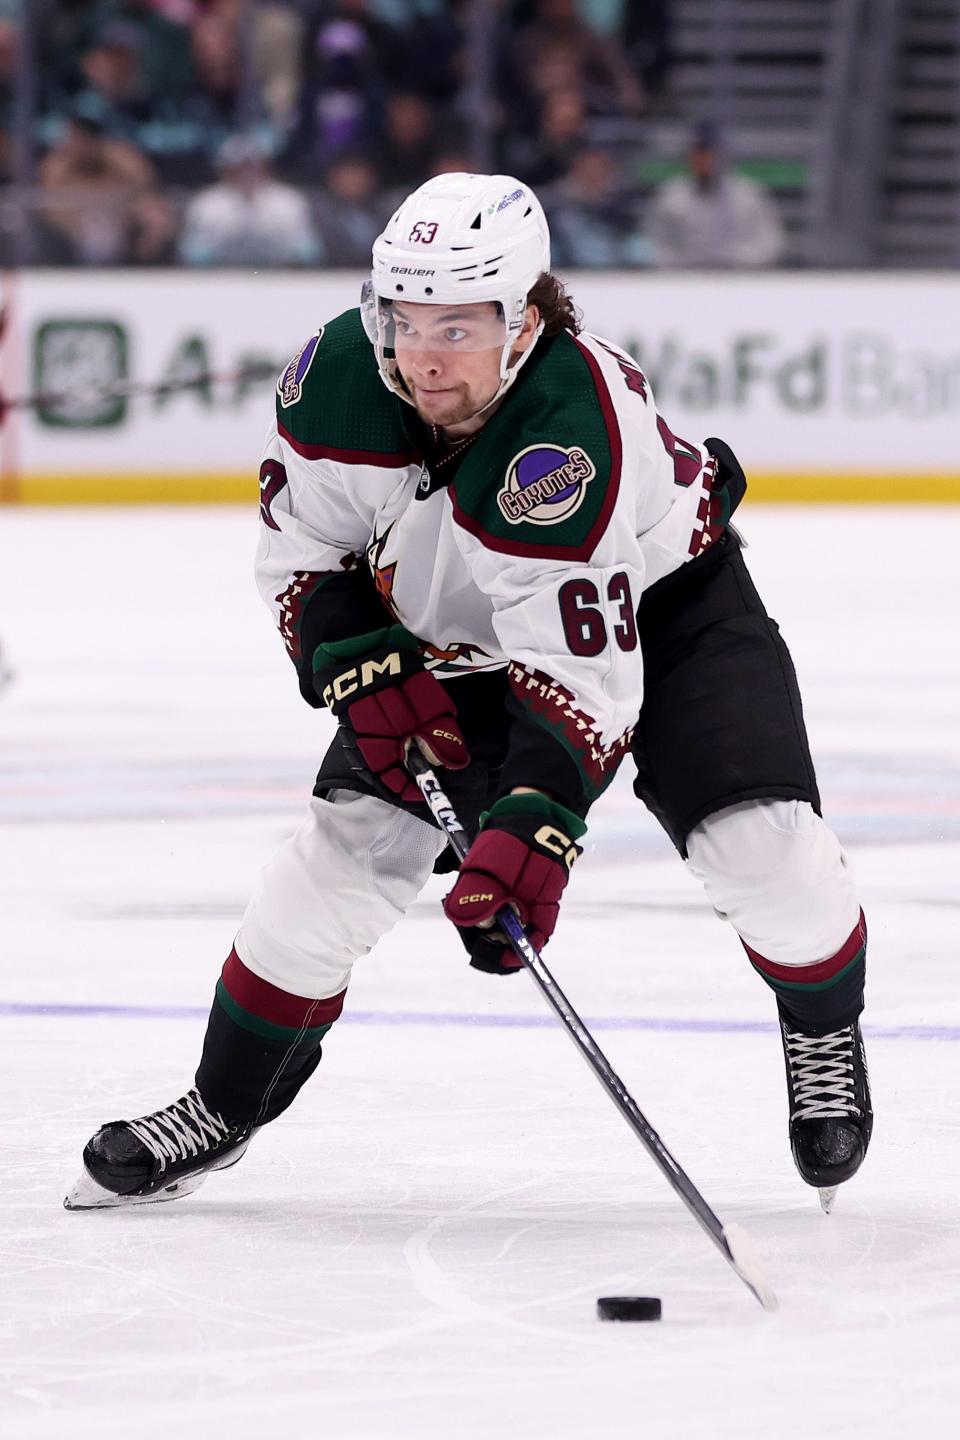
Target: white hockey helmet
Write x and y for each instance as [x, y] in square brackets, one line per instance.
[458, 239]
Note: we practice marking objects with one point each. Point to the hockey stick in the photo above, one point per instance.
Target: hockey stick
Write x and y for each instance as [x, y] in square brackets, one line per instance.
[732, 1241]
[252, 373]
[256, 372]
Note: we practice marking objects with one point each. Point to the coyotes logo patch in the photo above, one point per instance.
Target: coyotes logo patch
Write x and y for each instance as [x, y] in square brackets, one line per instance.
[290, 384]
[545, 484]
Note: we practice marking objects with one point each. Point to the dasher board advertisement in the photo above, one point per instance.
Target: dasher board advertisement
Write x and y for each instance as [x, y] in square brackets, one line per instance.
[160, 385]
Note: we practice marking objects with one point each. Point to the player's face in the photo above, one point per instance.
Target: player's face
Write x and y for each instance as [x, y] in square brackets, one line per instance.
[449, 357]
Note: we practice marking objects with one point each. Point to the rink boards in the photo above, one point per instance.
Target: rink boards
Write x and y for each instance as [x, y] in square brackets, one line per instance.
[831, 387]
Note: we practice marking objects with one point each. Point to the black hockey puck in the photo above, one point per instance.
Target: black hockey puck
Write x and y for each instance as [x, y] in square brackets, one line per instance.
[629, 1307]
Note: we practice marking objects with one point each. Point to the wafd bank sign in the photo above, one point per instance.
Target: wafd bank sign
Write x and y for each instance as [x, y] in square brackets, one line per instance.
[832, 386]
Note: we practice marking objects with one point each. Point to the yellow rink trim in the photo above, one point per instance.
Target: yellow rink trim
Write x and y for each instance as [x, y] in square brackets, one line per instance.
[855, 487]
[166, 487]
[140, 487]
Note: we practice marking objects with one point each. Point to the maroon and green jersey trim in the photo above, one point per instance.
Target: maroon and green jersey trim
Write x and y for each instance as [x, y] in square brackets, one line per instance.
[552, 707]
[385, 460]
[823, 973]
[344, 411]
[293, 602]
[560, 403]
[264, 1009]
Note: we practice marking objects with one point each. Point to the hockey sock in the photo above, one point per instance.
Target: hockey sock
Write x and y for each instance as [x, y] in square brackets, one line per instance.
[820, 998]
[262, 1044]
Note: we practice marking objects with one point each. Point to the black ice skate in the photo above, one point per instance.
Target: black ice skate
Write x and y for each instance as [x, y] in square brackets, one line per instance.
[830, 1113]
[157, 1157]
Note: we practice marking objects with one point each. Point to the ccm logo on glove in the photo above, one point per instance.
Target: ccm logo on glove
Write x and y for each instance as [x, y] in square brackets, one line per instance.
[555, 840]
[389, 701]
[360, 678]
[522, 857]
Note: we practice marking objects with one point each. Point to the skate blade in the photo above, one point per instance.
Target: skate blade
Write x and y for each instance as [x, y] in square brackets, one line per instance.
[87, 1194]
[827, 1195]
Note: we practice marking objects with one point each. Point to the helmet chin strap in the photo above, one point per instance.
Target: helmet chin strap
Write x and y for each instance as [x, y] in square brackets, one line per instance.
[508, 372]
[393, 378]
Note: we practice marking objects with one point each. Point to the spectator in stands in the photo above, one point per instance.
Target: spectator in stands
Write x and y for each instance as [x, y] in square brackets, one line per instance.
[544, 157]
[350, 211]
[215, 47]
[428, 53]
[63, 31]
[174, 123]
[601, 71]
[593, 219]
[348, 54]
[8, 53]
[220, 101]
[523, 97]
[163, 49]
[67, 30]
[641, 29]
[100, 201]
[711, 217]
[248, 217]
[278, 59]
[352, 25]
[411, 126]
[645, 31]
[15, 220]
[452, 159]
[112, 69]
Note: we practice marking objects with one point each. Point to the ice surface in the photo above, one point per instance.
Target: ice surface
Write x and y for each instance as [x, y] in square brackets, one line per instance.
[416, 1249]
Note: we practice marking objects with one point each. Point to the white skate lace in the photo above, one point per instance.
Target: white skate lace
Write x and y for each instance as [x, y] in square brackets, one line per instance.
[184, 1129]
[821, 1067]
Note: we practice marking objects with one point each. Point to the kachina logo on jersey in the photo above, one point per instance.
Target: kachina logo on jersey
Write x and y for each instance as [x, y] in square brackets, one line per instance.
[545, 484]
[290, 384]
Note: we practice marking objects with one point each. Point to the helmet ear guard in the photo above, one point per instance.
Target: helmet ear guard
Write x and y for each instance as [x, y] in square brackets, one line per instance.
[458, 240]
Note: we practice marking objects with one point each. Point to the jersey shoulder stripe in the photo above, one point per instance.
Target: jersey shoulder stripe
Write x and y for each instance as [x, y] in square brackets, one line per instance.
[543, 477]
[332, 404]
[384, 459]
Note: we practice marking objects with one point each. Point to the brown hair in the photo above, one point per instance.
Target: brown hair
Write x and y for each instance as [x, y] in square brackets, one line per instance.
[557, 310]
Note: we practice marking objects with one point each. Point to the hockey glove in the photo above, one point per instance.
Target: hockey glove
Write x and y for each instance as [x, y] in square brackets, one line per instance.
[378, 685]
[522, 857]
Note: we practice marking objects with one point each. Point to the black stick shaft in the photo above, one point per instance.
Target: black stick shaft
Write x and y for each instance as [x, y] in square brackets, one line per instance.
[446, 817]
[133, 389]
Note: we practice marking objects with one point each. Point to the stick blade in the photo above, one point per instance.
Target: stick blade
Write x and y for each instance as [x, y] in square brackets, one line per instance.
[745, 1259]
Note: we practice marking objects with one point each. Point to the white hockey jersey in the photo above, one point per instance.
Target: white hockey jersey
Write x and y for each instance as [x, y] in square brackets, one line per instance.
[572, 500]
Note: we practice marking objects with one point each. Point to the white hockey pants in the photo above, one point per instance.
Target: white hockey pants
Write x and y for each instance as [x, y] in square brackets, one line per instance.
[341, 881]
[778, 874]
[771, 868]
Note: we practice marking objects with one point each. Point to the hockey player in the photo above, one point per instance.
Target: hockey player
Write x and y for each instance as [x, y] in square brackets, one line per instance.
[478, 536]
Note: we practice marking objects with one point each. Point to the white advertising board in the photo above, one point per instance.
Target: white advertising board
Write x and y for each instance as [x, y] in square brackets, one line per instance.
[828, 386]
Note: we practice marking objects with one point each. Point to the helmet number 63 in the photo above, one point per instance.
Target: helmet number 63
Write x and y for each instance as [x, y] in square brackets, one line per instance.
[423, 231]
